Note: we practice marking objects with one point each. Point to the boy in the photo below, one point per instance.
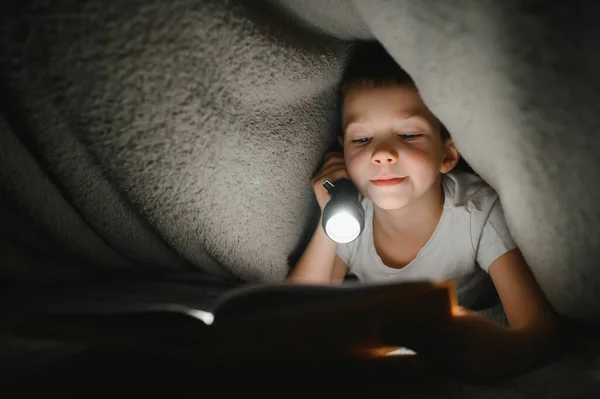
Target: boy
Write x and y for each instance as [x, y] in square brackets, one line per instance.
[424, 220]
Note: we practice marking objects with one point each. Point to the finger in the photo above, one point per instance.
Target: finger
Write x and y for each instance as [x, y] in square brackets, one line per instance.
[330, 163]
[333, 161]
[330, 166]
[334, 154]
[330, 169]
[462, 311]
[332, 175]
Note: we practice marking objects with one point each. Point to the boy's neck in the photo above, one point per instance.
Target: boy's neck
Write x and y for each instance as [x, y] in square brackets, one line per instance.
[420, 217]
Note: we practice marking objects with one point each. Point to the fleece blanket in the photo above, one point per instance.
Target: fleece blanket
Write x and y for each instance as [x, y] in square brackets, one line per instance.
[181, 136]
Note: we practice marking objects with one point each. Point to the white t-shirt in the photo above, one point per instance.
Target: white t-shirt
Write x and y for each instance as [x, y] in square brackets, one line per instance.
[470, 235]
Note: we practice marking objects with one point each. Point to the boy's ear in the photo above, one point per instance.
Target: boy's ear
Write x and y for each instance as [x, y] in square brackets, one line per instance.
[451, 156]
[341, 140]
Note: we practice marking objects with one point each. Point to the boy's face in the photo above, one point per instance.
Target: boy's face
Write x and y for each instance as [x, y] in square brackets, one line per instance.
[392, 145]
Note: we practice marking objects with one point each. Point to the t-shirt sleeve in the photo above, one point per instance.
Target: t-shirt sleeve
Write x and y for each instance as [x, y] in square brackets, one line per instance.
[343, 251]
[495, 239]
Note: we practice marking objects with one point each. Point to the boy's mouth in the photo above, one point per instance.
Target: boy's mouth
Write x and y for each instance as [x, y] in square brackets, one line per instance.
[387, 181]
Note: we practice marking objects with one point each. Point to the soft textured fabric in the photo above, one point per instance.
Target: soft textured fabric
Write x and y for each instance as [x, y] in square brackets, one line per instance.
[182, 135]
[142, 135]
[470, 234]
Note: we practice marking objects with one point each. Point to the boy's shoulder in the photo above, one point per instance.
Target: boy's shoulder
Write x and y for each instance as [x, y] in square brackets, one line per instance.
[467, 190]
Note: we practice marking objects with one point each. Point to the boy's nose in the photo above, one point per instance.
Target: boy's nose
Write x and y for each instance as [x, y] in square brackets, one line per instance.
[384, 156]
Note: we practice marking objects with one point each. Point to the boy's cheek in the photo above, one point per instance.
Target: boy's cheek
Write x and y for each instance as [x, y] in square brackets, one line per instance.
[351, 165]
[418, 160]
[357, 172]
[350, 154]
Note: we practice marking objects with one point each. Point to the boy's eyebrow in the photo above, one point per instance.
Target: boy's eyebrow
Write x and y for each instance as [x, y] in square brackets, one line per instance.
[416, 117]
[354, 118]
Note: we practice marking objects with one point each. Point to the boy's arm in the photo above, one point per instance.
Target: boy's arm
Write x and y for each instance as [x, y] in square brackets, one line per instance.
[319, 263]
[524, 303]
[534, 333]
[479, 347]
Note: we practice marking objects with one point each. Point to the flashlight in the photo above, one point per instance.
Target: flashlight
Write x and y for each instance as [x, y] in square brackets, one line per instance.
[343, 216]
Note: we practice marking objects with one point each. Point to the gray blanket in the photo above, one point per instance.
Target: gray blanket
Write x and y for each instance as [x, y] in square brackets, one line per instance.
[182, 135]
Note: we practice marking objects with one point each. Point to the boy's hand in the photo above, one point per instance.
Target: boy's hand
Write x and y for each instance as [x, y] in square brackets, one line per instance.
[473, 346]
[457, 346]
[334, 168]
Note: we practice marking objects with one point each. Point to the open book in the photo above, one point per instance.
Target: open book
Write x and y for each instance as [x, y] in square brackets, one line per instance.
[254, 321]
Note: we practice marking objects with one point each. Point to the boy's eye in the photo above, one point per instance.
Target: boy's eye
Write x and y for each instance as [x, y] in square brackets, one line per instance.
[362, 140]
[409, 136]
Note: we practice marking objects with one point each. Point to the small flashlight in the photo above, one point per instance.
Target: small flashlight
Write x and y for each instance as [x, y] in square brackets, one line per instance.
[343, 216]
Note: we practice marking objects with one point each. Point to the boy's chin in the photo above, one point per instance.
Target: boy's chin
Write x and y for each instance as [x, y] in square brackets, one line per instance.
[390, 204]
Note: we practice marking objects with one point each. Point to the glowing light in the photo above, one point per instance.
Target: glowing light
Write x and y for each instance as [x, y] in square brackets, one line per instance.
[343, 227]
[402, 351]
[206, 317]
